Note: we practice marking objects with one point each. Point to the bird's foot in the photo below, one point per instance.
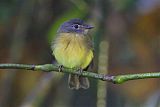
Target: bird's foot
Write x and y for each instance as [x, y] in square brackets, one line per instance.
[80, 71]
[60, 67]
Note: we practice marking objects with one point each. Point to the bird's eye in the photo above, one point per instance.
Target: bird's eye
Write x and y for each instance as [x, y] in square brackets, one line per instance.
[76, 26]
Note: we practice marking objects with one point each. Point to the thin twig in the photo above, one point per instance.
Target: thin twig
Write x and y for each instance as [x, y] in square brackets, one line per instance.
[114, 79]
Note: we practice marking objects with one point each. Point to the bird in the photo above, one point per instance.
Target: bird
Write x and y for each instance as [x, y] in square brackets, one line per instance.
[73, 48]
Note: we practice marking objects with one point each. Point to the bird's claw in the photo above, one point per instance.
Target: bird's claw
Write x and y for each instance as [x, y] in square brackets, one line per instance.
[80, 71]
[60, 67]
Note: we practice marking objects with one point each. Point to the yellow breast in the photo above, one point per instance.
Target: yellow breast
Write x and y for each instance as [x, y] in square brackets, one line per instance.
[72, 51]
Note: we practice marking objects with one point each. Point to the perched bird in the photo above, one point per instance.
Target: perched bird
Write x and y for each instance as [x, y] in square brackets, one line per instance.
[73, 48]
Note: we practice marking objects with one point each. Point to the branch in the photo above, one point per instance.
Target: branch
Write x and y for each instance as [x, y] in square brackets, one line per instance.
[50, 67]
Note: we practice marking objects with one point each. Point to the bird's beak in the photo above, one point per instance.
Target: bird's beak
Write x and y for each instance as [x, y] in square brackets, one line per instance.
[88, 27]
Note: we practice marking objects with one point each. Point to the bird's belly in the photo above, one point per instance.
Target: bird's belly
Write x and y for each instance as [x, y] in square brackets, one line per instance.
[73, 55]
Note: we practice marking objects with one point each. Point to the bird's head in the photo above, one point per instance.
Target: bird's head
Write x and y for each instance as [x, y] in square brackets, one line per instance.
[75, 26]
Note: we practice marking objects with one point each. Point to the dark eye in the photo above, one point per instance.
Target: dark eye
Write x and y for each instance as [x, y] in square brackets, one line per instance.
[76, 26]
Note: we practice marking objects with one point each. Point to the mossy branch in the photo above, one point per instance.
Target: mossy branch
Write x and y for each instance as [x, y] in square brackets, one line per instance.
[50, 67]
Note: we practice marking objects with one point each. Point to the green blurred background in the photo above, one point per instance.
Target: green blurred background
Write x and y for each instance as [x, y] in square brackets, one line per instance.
[126, 40]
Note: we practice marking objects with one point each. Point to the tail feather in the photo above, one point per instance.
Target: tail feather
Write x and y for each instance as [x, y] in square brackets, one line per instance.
[73, 82]
[77, 82]
[84, 82]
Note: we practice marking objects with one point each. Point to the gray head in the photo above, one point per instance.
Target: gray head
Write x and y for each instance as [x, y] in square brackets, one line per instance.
[74, 26]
